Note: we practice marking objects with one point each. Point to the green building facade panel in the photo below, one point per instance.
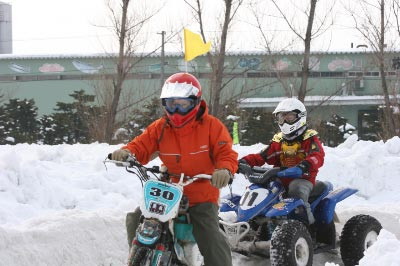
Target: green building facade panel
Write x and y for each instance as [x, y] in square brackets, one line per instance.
[51, 79]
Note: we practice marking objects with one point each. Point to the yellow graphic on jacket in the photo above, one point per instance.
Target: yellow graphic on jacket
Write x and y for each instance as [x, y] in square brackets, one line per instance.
[278, 137]
[291, 153]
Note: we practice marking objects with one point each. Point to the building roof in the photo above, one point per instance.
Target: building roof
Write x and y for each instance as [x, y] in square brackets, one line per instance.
[174, 54]
[315, 100]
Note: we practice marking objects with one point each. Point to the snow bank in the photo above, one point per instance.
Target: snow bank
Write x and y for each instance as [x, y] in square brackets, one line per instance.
[60, 206]
[66, 238]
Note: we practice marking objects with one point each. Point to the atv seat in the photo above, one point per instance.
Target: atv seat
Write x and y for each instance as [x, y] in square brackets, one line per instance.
[320, 188]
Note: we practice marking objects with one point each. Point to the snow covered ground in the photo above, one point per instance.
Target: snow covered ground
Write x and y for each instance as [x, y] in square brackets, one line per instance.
[60, 206]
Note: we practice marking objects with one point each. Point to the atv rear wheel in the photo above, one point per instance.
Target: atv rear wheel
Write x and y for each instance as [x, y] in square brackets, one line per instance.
[358, 234]
[291, 245]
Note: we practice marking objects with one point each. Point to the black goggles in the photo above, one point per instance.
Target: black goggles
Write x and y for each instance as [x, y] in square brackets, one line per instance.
[179, 105]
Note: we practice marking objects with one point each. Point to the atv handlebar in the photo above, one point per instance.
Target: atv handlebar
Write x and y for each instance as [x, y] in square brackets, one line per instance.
[258, 175]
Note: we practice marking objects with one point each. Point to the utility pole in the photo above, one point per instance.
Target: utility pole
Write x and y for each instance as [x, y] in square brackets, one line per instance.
[162, 59]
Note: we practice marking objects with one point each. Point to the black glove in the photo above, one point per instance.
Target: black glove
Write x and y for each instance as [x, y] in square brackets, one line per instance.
[304, 166]
[242, 162]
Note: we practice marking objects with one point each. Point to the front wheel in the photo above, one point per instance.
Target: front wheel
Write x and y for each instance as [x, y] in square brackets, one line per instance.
[358, 234]
[140, 256]
[291, 245]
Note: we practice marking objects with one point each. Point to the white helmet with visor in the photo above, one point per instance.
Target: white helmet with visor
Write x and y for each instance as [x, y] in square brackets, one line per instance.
[291, 115]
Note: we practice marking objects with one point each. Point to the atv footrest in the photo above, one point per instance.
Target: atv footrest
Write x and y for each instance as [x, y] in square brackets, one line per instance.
[234, 231]
[250, 253]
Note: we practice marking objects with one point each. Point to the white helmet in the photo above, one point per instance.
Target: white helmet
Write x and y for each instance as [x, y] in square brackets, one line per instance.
[181, 85]
[291, 128]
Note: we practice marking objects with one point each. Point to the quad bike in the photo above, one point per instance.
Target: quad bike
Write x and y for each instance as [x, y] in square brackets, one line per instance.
[164, 236]
[271, 225]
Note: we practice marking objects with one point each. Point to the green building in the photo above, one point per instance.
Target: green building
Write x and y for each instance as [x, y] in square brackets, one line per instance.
[343, 83]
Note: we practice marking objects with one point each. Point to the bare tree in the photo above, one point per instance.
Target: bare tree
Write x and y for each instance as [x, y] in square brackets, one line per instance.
[127, 25]
[312, 31]
[372, 22]
[121, 29]
[396, 12]
[265, 24]
[217, 59]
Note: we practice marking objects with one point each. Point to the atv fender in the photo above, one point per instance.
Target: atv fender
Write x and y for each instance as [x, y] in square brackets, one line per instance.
[230, 203]
[325, 210]
[284, 207]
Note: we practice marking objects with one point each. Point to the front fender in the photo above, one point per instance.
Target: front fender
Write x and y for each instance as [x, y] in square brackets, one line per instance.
[229, 203]
[284, 207]
[325, 210]
[257, 200]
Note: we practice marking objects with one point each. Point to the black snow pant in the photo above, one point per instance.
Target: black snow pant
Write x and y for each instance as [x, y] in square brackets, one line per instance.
[204, 217]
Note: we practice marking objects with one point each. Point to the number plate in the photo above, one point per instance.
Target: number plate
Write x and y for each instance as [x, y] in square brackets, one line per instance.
[253, 197]
[161, 200]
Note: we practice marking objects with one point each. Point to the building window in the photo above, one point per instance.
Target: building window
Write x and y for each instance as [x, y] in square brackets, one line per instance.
[332, 74]
[371, 74]
[363, 74]
[315, 74]
[391, 73]
[355, 74]
[257, 74]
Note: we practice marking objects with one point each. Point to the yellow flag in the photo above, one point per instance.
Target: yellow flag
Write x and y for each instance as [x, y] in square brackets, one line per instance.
[194, 45]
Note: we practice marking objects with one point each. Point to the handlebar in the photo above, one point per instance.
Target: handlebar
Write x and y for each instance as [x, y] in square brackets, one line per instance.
[142, 171]
[258, 175]
[203, 176]
[132, 162]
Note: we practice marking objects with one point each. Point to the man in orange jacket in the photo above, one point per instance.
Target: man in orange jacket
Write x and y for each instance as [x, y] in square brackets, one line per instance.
[190, 141]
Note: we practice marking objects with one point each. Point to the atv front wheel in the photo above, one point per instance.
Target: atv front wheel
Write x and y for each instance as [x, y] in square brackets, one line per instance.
[291, 245]
[358, 234]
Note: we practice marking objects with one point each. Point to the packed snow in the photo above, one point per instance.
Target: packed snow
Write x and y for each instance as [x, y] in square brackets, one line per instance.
[60, 205]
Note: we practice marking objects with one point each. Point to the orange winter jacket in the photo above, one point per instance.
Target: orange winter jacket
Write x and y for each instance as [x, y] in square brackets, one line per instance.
[199, 147]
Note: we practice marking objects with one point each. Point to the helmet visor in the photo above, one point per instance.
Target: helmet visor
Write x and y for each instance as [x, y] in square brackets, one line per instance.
[182, 90]
[288, 117]
[179, 105]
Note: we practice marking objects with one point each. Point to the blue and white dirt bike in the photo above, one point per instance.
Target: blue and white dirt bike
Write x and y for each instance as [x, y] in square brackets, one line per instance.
[164, 236]
[269, 224]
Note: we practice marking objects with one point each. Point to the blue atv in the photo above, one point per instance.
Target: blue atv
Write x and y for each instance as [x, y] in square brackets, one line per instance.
[267, 223]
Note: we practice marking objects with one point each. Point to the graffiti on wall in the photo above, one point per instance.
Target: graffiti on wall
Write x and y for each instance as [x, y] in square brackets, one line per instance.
[249, 63]
[340, 64]
[51, 68]
[19, 68]
[87, 68]
[314, 63]
[281, 64]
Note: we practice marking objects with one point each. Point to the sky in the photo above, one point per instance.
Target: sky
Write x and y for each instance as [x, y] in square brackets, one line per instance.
[79, 27]
[59, 205]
